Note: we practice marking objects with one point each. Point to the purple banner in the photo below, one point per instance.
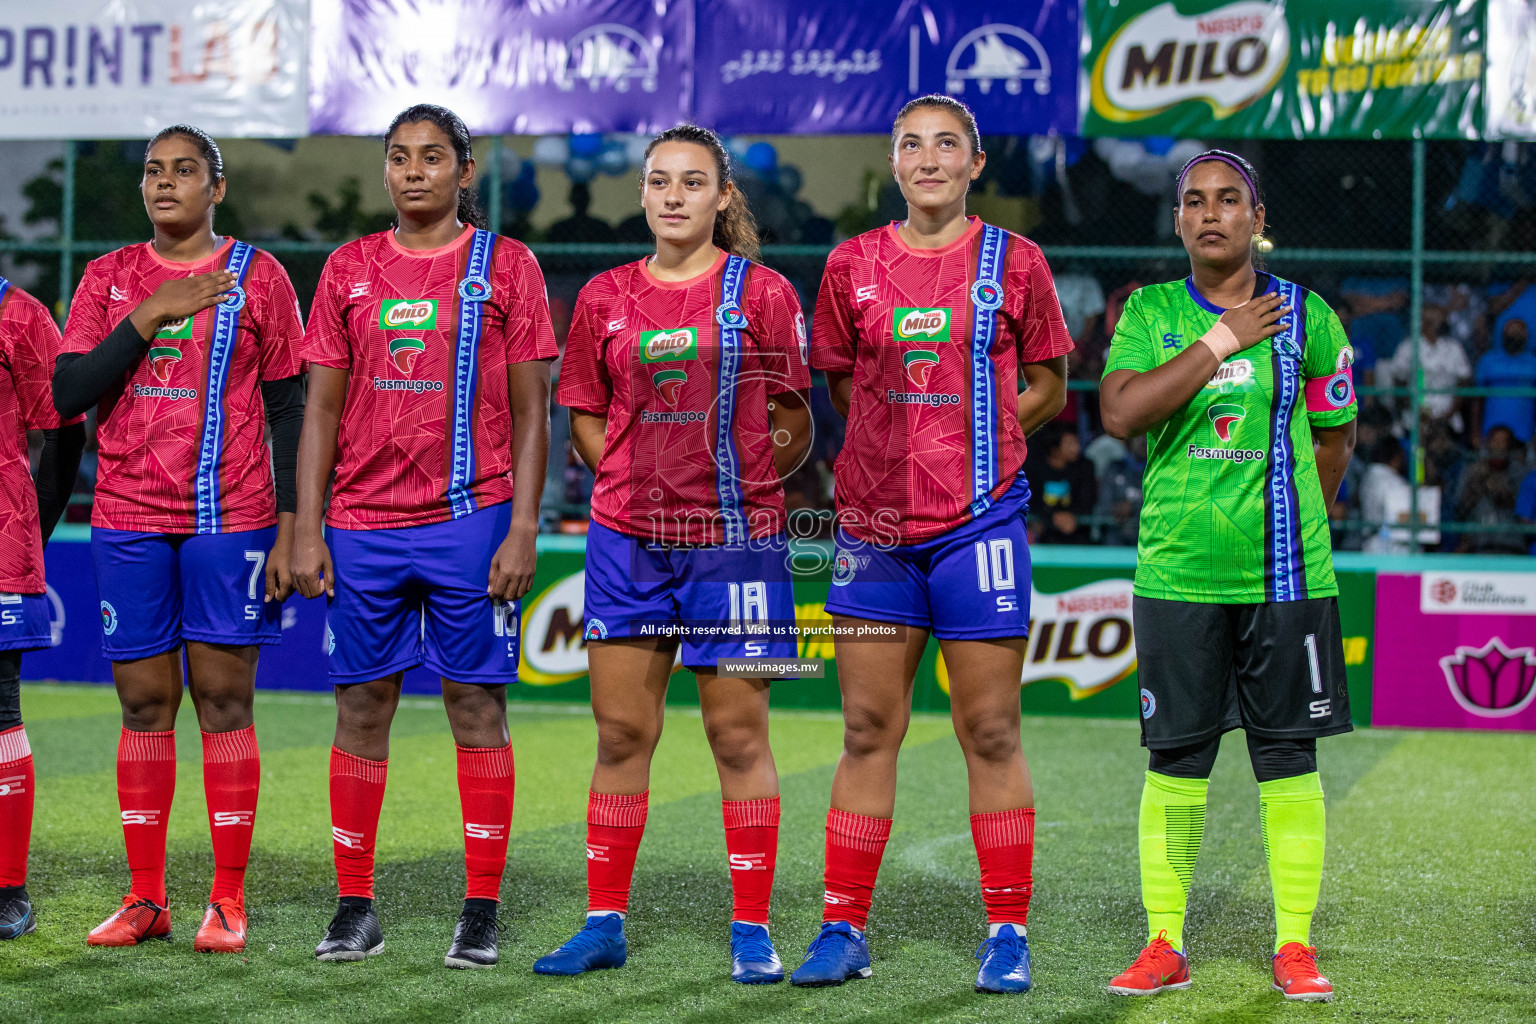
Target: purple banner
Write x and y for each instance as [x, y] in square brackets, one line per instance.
[505, 66]
[809, 66]
[1456, 650]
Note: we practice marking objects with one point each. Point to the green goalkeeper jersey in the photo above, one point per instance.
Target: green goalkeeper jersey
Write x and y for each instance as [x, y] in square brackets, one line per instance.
[1232, 511]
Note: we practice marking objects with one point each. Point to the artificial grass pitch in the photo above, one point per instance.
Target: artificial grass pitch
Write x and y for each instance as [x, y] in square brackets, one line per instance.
[1428, 910]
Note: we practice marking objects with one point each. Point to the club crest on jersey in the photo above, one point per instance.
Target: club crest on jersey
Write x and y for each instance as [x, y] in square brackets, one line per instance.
[237, 300]
[913, 324]
[108, 618]
[474, 289]
[161, 359]
[403, 352]
[1340, 391]
[1224, 418]
[800, 337]
[1148, 703]
[670, 383]
[919, 365]
[595, 630]
[730, 316]
[670, 345]
[408, 314]
[181, 330]
[987, 295]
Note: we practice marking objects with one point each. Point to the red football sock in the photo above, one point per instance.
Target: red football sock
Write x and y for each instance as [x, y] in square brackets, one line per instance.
[486, 785]
[1005, 846]
[615, 823]
[855, 845]
[146, 784]
[357, 793]
[752, 844]
[231, 778]
[16, 784]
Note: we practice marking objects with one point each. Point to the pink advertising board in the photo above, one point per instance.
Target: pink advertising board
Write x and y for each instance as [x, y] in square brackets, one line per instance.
[1455, 650]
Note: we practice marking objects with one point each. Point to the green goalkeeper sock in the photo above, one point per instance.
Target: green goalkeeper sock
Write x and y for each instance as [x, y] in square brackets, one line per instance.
[1172, 824]
[1291, 817]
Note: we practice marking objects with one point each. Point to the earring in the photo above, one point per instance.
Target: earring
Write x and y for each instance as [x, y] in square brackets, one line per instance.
[1263, 245]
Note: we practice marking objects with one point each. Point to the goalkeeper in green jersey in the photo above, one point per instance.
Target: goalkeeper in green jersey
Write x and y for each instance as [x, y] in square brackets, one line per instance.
[1241, 382]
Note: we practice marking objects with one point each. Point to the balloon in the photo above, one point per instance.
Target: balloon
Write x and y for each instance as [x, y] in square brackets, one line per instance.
[551, 150]
[613, 160]
[762, 158]
[587, 146]
[580, 169]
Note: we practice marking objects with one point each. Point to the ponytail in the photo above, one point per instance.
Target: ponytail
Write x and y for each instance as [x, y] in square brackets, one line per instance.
[451, 125]
[735, 227]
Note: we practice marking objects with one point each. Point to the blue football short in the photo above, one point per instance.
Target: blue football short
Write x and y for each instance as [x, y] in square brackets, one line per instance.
[972, 583]
[24, 622]
[159, 590]
[417, 596]
[721, 601]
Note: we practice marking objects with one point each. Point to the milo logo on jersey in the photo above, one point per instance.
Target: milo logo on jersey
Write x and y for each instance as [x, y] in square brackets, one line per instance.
[180, 330]
[671, 345]
[403, 352]
[910, 323]
[162, 358]
[408, 314]
[1231, 377]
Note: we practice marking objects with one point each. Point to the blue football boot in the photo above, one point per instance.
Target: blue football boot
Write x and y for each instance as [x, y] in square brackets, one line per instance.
[753, 960]
[834, 956]
[599, 944]
[1004, 962]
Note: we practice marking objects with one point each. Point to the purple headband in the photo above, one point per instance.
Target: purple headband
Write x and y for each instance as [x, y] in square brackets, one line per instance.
[1253, 193]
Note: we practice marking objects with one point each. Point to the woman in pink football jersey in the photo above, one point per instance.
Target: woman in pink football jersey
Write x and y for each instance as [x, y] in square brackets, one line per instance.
[429, 348]
[944, 346]
[686, 378]
[189, 347]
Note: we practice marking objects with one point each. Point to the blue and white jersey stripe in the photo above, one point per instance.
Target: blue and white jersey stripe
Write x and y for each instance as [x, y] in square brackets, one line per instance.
[5, 286]
[727, 461]
[989, 264]
[461, 468]
[1287, 572]
[221, 353]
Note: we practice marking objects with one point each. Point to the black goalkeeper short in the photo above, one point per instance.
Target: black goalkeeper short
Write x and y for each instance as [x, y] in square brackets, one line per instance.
[1275, 670]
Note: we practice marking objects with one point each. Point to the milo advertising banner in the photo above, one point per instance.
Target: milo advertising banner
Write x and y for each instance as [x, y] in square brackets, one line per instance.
[1080, 658]
[1277, 69]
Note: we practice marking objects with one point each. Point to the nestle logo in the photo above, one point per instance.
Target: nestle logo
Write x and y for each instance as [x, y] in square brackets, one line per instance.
[1492, 681]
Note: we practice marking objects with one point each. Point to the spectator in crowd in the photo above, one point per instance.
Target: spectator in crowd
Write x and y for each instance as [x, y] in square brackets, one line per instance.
[1120, 493]
[1525, 507]
[1465, 313]
[1061, 485]
[581, 226]
[1518, 302]
[1376, 307]
[1511, 365]
[1385, 498]
[1363, 353]
[633, 230]
[1444, 365]
[1487, 494]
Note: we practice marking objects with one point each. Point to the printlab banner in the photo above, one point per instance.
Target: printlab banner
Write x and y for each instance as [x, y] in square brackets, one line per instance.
[1284, 68]
[1456, 650]
[116, 69]
[809, 66]
[505, 66]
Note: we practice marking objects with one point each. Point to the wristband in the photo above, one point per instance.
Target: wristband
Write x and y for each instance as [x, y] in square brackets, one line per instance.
[1221, 341]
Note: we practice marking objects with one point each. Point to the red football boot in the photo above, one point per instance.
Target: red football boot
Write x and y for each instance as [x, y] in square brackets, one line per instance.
[137, 919]
[1296, 975]
[223, 929]
[1159, 968]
